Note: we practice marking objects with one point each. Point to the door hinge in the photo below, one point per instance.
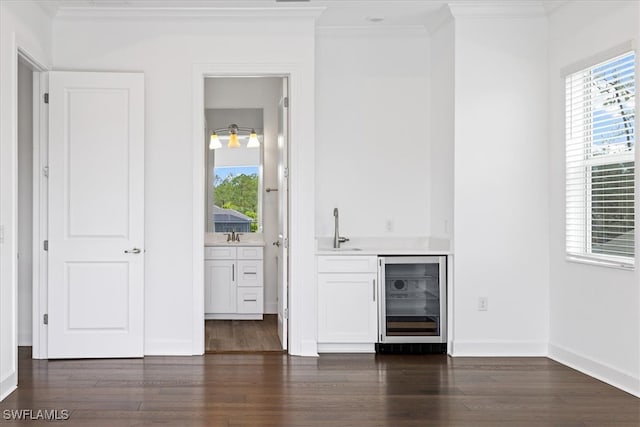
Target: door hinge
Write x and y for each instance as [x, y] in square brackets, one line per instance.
[286, 172]
[286, 102]
[285, 241]
[45, 245]
[45, 171]
[286, 313]
[46, 98]
[45, 319]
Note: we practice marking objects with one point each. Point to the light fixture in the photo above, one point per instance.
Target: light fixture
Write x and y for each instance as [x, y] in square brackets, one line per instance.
[214, 141]
[253, 140]
[233, 132]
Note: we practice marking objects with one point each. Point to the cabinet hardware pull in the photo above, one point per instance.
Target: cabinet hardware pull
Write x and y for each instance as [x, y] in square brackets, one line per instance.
[250, 300]
[374, 289]
[233, 272]
[133, 251]
[249, 272]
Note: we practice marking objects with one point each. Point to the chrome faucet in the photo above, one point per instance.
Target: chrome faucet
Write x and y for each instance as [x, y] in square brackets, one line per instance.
[233, 236]
[336, 234]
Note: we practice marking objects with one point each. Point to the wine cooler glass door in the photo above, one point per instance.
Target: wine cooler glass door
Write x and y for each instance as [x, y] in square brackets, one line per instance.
[412, 309]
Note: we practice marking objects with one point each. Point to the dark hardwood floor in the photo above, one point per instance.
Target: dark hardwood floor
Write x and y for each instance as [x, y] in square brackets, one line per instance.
[230, 336]
[332, 390]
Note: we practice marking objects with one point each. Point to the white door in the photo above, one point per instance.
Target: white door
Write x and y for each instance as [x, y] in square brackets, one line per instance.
[283, 219]
[96, 215]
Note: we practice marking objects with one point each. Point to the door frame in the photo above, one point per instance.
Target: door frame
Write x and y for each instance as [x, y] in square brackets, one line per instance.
[40, 116]
[302, 312]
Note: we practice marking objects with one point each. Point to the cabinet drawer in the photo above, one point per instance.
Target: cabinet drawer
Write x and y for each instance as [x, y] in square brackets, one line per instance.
[250, 300]
[219, 252]
[250, 252]
[347, 264]
[250, 273]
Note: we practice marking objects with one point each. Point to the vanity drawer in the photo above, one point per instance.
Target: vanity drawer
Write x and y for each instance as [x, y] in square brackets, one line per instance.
[250, 273]
[250, 300]
[250, 252]
[220, 252]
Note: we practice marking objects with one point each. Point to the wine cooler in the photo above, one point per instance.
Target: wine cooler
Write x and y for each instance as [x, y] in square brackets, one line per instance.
[412, 304]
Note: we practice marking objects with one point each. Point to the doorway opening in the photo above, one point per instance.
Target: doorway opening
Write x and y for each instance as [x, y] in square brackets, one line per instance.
[246, 213]
[25, 202]
[31, 190]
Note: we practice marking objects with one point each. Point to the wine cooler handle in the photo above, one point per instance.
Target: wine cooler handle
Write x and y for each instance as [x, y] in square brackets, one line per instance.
[374, 289]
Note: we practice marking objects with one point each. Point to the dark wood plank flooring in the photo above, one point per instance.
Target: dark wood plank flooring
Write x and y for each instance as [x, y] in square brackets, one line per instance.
[332, 390]
[231, 336]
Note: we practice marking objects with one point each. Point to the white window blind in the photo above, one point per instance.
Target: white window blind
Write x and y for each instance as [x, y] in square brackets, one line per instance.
[600, 168]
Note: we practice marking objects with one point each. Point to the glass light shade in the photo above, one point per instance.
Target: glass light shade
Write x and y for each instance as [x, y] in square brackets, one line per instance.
[214, 142]
[233, 141]
[253, 140]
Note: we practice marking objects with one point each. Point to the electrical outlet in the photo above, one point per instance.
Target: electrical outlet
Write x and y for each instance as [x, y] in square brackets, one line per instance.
[483, 303]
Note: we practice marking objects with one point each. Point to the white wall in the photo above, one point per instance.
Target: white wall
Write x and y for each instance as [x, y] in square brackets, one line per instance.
[500, 186]
[26, 26]
[372, 136]
[25, 202]
[595, 311]
[166, 49]
[441, 100]
[264, 93]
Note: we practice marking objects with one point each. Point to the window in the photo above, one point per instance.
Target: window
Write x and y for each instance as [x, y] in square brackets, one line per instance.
[600, 166]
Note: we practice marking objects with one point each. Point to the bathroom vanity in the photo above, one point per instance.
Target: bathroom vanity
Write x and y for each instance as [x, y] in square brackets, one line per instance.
[234, 281]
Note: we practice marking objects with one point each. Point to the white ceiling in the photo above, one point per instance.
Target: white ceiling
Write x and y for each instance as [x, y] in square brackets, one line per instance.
[342, 13]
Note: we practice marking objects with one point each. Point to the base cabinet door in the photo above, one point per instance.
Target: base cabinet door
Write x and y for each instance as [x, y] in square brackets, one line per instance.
[347, 308]
[220, 286]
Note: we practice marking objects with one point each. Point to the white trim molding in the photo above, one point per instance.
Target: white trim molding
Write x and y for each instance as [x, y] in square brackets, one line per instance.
[191, 12]
[8, 385]
[498, 349]
[511, 9]
[608, 374]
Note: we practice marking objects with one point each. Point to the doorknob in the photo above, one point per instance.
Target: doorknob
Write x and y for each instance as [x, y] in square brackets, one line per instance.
[276, 243]
[132, 251]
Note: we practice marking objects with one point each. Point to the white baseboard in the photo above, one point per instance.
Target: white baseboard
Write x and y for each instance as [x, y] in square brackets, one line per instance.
[168, 348]
[498, 349]
[233, 316]
[8, 385]
[596, 369]
[308, 348]
[346, 348]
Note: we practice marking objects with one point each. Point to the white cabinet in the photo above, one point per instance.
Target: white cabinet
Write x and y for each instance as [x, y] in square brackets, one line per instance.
[220, 287]
[234, 282]
[347, 303]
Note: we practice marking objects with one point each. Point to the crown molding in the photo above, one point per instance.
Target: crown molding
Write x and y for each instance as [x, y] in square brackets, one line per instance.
[189, 12]
[511, 9]
[371, 31]
[550, 7]
[437, 19]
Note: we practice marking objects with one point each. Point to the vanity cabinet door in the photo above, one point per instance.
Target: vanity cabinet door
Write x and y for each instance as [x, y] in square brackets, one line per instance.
[220, 286]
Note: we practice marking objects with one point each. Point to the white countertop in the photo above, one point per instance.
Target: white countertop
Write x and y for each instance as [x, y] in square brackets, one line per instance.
[246, 239]
[385, 246]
